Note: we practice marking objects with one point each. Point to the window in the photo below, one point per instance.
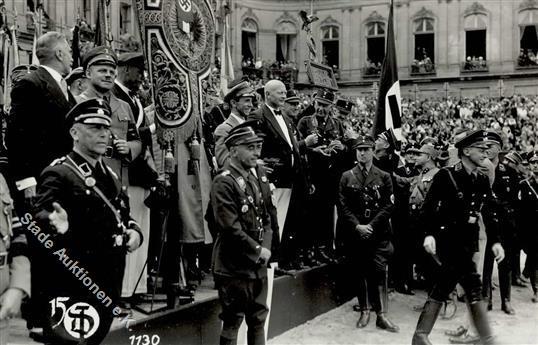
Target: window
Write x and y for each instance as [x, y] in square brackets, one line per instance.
[424, 39]
[475, 42]
[475, 36]
[249, 33]
[424, 59]
[375, 42]
[528, 38]
[330, 46]
[125, 18]
[86, 10]
[286, 42]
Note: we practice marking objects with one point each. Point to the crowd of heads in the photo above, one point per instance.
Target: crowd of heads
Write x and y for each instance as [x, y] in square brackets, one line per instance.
[434, 121]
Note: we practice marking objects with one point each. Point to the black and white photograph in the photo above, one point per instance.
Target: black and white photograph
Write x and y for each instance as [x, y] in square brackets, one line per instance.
[281, 172]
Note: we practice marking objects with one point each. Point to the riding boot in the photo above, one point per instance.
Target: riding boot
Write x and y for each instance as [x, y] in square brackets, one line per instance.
[427, 319]
[381, 310]
[506, 287]
[487, 273]
[362, 297]
[480, 319]
[533, 274]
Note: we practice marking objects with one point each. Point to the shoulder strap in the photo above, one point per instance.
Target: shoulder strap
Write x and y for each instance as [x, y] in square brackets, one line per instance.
[74, 167]
[532, 188]
[459, 193]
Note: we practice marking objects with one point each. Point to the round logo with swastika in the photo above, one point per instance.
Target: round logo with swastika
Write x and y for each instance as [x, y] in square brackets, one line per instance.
[81, 320]
[186, 5]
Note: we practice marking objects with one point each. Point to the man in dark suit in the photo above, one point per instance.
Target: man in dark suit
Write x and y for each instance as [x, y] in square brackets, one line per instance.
[81, 205]
[281, 154]
[37, 134]
[36, 130]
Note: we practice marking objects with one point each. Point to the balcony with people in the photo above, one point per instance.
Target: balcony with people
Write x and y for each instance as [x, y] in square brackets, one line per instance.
[422, 67]
[371, 69]
[527, 59]
[474, 64]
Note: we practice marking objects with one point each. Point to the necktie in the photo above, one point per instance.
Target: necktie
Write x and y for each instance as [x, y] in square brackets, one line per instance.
[100, 171]
[278, 113]
[253, 184]
[63, 86]
[103, 180]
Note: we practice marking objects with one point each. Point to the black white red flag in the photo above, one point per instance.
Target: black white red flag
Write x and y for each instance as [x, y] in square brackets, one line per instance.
[389, 103]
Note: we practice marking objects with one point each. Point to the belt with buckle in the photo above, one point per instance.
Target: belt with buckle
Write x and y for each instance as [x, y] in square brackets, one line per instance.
[367, 213]
[3, 259]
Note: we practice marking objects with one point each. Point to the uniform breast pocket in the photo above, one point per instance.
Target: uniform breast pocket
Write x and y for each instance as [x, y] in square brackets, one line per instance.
[352, 194]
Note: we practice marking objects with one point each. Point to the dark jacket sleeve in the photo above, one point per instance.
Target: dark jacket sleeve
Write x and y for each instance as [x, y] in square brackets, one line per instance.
[344, 211]
[226, 214]
[21, 131]
[429, 213]
[490, 213]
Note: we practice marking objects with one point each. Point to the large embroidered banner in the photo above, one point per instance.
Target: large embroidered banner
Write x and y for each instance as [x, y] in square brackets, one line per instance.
[178, 38]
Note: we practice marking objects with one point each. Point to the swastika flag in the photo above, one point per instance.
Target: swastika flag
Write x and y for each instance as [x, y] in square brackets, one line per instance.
[389, 102]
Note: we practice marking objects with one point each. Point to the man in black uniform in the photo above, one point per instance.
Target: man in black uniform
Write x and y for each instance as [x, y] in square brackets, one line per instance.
[457, 198]
[528, 213]
[326, 160]
[365, 203]
[81, 205]
[505, 187]
[243, 238]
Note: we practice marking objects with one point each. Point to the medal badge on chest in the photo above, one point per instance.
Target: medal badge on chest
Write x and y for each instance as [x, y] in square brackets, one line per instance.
[244, 208]
[89, 181]
[241, 182]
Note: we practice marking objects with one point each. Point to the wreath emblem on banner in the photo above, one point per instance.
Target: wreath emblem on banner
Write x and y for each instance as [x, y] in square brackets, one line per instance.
[179, 38]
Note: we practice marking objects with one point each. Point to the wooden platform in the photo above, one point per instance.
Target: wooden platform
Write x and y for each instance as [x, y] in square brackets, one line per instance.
[295, 300]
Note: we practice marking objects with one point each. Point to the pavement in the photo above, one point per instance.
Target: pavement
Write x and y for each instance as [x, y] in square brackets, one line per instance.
[338, 325]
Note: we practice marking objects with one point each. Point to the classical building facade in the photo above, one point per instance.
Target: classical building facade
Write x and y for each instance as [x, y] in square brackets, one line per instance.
[63, 15]
[444, 47]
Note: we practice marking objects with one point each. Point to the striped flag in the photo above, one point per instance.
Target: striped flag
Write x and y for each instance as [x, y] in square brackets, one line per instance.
[35, 60]
[100, 25]
[226, 66]
[389, 103]
[75, 46]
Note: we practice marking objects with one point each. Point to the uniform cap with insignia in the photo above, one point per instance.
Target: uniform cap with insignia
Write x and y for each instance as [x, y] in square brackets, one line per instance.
[514, 157]
[390, 138]
[428, 149]
[101, 55]
[242, 135]
[292, 97]
[477, 138]
[428, 140]
[94, 111]
[494, 137]
[131, 59]
[75, 74]
[409, 147]
[19, 71]
[362, 141]
[239, 88]
[344, 105]
[325, 97]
